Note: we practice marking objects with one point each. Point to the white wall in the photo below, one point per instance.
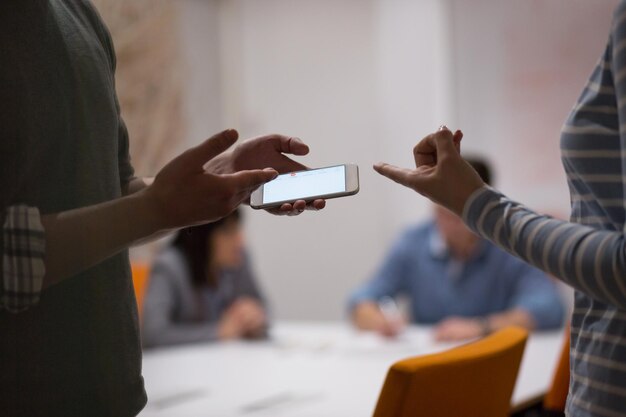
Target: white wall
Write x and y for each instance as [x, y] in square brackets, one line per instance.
[520, 66]
[363, 80]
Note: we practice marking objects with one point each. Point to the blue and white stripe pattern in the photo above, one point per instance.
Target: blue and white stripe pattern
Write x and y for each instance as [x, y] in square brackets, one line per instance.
[590, 252]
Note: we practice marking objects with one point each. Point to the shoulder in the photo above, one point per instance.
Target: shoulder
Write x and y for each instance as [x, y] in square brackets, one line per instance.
[411, 239]
[417, 233]
[95, 21]
[619, 18]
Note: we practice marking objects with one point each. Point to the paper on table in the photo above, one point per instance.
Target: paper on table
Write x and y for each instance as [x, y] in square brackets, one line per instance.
[176, 398]
[280, 399]
[358, 342]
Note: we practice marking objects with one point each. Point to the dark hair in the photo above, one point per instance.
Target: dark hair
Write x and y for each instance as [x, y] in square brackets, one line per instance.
[481, 166]
[193, 242]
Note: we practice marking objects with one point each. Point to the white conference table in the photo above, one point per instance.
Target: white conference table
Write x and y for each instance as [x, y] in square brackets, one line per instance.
[306, 369]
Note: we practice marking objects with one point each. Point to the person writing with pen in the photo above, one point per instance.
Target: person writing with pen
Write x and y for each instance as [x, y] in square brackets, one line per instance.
[462, 284]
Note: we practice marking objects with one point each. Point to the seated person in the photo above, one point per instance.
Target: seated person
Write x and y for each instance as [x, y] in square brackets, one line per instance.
[464, 285]
[201, 289]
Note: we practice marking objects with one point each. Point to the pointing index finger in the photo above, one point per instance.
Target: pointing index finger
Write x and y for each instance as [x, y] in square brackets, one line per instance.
[400, 175]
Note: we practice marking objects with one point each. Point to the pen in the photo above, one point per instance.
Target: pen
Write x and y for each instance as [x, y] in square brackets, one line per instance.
[390, 309]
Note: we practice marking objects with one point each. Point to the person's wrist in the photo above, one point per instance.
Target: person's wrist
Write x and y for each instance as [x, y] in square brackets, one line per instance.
[462, 197]
[152, 210]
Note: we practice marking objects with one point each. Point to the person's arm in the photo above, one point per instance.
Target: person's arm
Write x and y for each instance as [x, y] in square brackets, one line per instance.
[160, 303]
[462, 328]
[388, 282]
[22, 248]
[182, 194]
[533, 304]
[136, 184]
[591, 260]
[516, 316]
[367, 315]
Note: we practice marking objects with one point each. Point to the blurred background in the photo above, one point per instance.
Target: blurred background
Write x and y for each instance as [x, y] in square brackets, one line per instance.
[359, 81]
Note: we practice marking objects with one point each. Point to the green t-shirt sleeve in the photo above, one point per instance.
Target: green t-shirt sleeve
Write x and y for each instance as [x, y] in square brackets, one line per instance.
[126, 170]
[125, 167]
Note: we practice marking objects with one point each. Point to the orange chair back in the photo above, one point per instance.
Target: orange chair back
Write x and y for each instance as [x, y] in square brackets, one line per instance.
[140, 274]
[474, 380]
[557, 394]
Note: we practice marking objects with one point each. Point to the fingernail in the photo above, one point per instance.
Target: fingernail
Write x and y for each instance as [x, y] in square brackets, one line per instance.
[443, 127]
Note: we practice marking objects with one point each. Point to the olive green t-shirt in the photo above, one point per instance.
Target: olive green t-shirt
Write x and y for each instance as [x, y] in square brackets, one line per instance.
[63, 145]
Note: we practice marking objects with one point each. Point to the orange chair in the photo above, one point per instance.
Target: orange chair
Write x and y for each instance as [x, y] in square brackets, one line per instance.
[474, 380]
[140, 274]
[557, 394]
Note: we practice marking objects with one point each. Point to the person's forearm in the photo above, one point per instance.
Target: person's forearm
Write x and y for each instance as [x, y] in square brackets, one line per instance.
[136, 184]
[367, 316]
[591, 260]
[80, 238]
[514, 317]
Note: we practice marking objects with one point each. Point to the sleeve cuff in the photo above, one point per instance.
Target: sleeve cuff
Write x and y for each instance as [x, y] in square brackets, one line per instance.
[23, 265]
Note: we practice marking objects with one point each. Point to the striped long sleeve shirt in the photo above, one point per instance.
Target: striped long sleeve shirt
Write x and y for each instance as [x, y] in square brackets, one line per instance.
[588, 253]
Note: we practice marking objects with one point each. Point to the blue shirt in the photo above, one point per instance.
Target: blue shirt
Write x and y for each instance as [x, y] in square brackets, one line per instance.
[438, 286]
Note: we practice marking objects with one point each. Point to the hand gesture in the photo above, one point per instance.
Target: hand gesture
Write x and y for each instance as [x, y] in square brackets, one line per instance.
[269, 151]
[184, 193]
[440, 173]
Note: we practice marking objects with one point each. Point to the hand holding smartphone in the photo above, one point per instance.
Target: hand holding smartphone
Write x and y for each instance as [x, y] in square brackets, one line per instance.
[321, 183]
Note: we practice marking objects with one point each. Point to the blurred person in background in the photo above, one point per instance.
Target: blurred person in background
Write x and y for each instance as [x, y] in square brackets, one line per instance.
[457, 281]
[202, 288]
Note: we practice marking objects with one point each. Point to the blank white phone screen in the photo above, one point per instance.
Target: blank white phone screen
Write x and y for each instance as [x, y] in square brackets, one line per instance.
[305, 184]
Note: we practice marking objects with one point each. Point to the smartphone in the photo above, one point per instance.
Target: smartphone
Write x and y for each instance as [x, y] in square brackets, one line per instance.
[328, 182]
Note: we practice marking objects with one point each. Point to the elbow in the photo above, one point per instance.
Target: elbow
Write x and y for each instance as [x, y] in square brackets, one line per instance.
[149, 333]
